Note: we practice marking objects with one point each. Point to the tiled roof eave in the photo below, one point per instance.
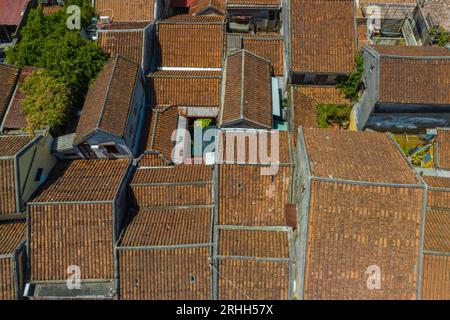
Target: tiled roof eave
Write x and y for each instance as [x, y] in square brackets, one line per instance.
[368, 183]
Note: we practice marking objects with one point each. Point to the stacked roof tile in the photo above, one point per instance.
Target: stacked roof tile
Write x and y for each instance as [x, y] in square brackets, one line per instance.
[436, 247]
[443, 149]
[126, 10]
[165, 252]
[313, 21]
[363, 213]
[12, 235]
[108, 101]
[160, 124]
[191, 41]
[185, 88]
[414, 75]
[270, 47]
[72, 220]
[305, 100]
[125, 39]
[10, 146]
[8, 80]
[248, 95]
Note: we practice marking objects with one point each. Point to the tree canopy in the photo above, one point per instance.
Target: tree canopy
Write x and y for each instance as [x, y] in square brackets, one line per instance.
[46, 102]
[47, 43]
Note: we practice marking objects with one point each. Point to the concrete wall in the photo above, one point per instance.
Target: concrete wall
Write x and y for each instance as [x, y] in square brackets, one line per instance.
[362, 109]
[38, 156]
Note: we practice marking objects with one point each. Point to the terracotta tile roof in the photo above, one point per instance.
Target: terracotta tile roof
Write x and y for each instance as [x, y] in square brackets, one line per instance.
[48, 10]
[437, 182]
[10, 145]
[438, 197]
[128, 25]
[126, 10]
[253, 3]
[12, 234]
[71, 234]
[164, 227]
[165, 274]
[270, 48]
[14, 117]
[185, 88]
[7, 281]
[253, 279]
[362, 31]
[12, 12]
[436, 277]
[191, 41]
[128, 44]
[253, 243]
[152, 159]
[181, 185]
[108, 101]
[354, 226]
[305, 102]
[160, 124]
[437, 230]
[252, 147]
[349, 155]
[317, 44]
[198, 5]
[443, 149]
[84, 181]
[248, 91]
[8, 79]
[410, 75]
[249, 198]
[8, 203]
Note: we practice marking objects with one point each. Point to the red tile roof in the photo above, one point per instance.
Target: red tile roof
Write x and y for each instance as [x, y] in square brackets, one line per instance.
[349, 155]
[248, 91]
[352, 227]
[109, 99]
[165, 274]
[181, 185]
[8, 80]
[249, 198]
[12, 234]
[436, 277]
[14, 117]
[84, 181]
[126, 10]
[185, 88]
[160, 124]
[237, 146]
[191, 41]
[164, 227]
[270, 48]
[443, 149]
[127, 43]
[12, 11]
[414, 75]
[437, 230]
[318, 45]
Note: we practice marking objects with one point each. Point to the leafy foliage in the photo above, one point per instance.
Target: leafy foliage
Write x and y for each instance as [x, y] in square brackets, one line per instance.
[351, 85]
[441, 36]
[333, 113]
[47, 43]
[46, 101]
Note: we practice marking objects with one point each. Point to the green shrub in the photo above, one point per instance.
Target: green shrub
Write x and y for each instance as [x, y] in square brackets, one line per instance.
[46, 101]
[351, 85]
[333, 113]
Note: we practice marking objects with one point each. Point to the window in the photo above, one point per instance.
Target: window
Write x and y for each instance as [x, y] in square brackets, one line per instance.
[39, 175]
[110, 148]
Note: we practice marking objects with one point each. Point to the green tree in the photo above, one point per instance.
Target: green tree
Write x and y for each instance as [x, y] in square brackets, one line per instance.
[351, 85]
[47, 43]
[441, 36]
[46, 102]
[333, 113]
